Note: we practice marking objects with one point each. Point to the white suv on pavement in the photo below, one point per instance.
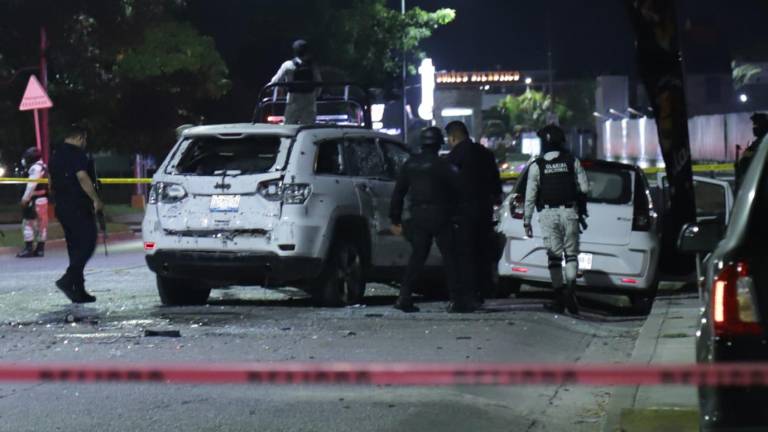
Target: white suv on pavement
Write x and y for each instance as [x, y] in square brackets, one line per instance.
[275, 205]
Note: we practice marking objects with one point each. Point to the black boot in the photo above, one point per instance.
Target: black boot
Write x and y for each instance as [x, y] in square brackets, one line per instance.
[406, 306]
[27, 252]
[67, 287]
[558, 302]
[569, 298]
[81, 294]
[40, 250]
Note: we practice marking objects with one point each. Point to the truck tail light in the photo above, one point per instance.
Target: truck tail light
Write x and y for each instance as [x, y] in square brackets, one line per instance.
[733, 302]
[271, 190]
[517, 206]
[645, 215]
[296, 193]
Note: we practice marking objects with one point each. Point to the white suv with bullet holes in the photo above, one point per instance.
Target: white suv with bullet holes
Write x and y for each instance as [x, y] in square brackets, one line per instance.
[275, 205]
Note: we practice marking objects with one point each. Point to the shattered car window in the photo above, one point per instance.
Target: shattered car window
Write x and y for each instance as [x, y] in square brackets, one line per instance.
[248, 155]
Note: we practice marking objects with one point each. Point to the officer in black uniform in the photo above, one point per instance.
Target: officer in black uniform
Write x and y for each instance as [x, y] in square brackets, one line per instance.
[476, 240]
[73, 180]
[432, 186]
[760, 130]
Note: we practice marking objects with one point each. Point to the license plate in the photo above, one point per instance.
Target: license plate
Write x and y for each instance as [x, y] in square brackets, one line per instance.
[225, 203]
[585, 261]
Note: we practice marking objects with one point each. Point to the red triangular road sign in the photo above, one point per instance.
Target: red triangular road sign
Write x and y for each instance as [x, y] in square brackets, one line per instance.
[35, 96]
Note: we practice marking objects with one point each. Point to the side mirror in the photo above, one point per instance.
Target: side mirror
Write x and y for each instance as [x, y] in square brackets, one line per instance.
[701, 237]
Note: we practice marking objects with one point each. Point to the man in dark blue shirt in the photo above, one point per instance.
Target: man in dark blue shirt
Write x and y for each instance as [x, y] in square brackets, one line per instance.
[72, 178]
[476, 242]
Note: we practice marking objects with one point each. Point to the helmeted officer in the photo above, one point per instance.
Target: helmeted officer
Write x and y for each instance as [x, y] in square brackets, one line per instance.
[432, 186]
[34, 204]
[555, 181]
[476, 239]
[73, 186]
[301, 105]
[760, 130]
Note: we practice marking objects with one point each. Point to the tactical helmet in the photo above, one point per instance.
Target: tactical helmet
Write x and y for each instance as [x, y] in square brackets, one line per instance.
[432, 137]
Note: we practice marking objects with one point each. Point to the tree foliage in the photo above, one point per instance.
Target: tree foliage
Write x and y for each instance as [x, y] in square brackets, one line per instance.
[357, 40]
[531, 110]
[131, 69]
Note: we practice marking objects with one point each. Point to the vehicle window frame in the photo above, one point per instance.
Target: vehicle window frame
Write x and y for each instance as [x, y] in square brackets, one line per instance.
[345, 164]
[392, 171]
[350, 157]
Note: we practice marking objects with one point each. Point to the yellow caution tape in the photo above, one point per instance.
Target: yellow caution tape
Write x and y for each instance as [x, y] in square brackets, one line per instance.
[703, 168]
[20, 180]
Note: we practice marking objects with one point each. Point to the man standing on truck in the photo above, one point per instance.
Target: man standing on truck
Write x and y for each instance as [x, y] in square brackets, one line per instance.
[555, 181]
[299, 73]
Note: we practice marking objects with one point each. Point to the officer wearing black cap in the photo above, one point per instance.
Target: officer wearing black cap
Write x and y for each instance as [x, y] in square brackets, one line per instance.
[555, 181]
[760, 130]
[432, 186]
[73, 187]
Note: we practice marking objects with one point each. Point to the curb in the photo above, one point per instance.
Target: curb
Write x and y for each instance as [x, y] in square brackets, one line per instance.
[645, 348]
[61, 243]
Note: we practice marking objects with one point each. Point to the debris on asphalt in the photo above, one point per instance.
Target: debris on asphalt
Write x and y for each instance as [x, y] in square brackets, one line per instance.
[162, 333]
[463, 337]
[349, 333]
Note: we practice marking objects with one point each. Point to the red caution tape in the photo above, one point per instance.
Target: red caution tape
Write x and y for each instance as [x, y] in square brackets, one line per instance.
[395, 374]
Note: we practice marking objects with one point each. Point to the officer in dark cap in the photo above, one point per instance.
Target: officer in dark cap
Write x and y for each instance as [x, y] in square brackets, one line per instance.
[73, 186]
[555, 180]
[760, 130]
[299, 73]
[433, 187]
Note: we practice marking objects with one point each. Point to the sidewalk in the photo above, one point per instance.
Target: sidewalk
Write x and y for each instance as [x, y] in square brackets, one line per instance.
[668, 336]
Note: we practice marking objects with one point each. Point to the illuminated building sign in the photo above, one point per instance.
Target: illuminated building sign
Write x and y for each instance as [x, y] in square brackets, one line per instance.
[474, 78]
[427, 71]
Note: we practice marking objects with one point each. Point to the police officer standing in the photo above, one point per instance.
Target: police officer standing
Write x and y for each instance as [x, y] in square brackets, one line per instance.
[301, 106]
[480, 177]
[34, 206]
[432, 186]
[760, 130]
[555, 181]
[73, 187]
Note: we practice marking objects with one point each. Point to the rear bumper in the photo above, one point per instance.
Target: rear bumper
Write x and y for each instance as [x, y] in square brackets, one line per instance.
[615, 269]
[234, 267]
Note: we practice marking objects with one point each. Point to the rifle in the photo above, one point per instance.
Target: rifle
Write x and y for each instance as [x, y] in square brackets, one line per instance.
[581, 207]
[103, 227]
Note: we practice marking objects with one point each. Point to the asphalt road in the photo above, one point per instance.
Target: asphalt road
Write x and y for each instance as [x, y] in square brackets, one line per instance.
[252, 324]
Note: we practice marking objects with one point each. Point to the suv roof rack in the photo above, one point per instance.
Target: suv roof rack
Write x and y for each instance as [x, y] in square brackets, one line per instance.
[346, 94]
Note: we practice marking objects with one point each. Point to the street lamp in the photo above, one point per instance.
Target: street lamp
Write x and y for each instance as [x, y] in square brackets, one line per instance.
[528, 81]
[743, 98]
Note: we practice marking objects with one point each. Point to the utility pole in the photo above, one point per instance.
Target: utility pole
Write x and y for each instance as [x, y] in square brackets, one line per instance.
[405, 78]
[44, 133]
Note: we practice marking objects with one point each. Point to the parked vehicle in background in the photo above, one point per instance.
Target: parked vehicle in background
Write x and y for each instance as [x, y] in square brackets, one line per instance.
[734, 295]
[619, 250]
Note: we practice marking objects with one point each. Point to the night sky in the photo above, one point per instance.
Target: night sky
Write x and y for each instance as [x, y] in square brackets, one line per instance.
[587, 41]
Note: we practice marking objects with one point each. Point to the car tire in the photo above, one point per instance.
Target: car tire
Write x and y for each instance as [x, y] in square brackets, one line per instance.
[507, 287]
[642, 303]
[182, 292]
[342, 280]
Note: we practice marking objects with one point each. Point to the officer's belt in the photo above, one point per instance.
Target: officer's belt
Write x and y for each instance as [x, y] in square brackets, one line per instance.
[566, 206]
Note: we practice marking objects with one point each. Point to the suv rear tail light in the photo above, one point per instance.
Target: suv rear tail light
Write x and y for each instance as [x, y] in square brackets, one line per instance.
[733, 303]
[166, 193]
[271, 190]
[296, 193]
[645, 215]
[517, 206]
